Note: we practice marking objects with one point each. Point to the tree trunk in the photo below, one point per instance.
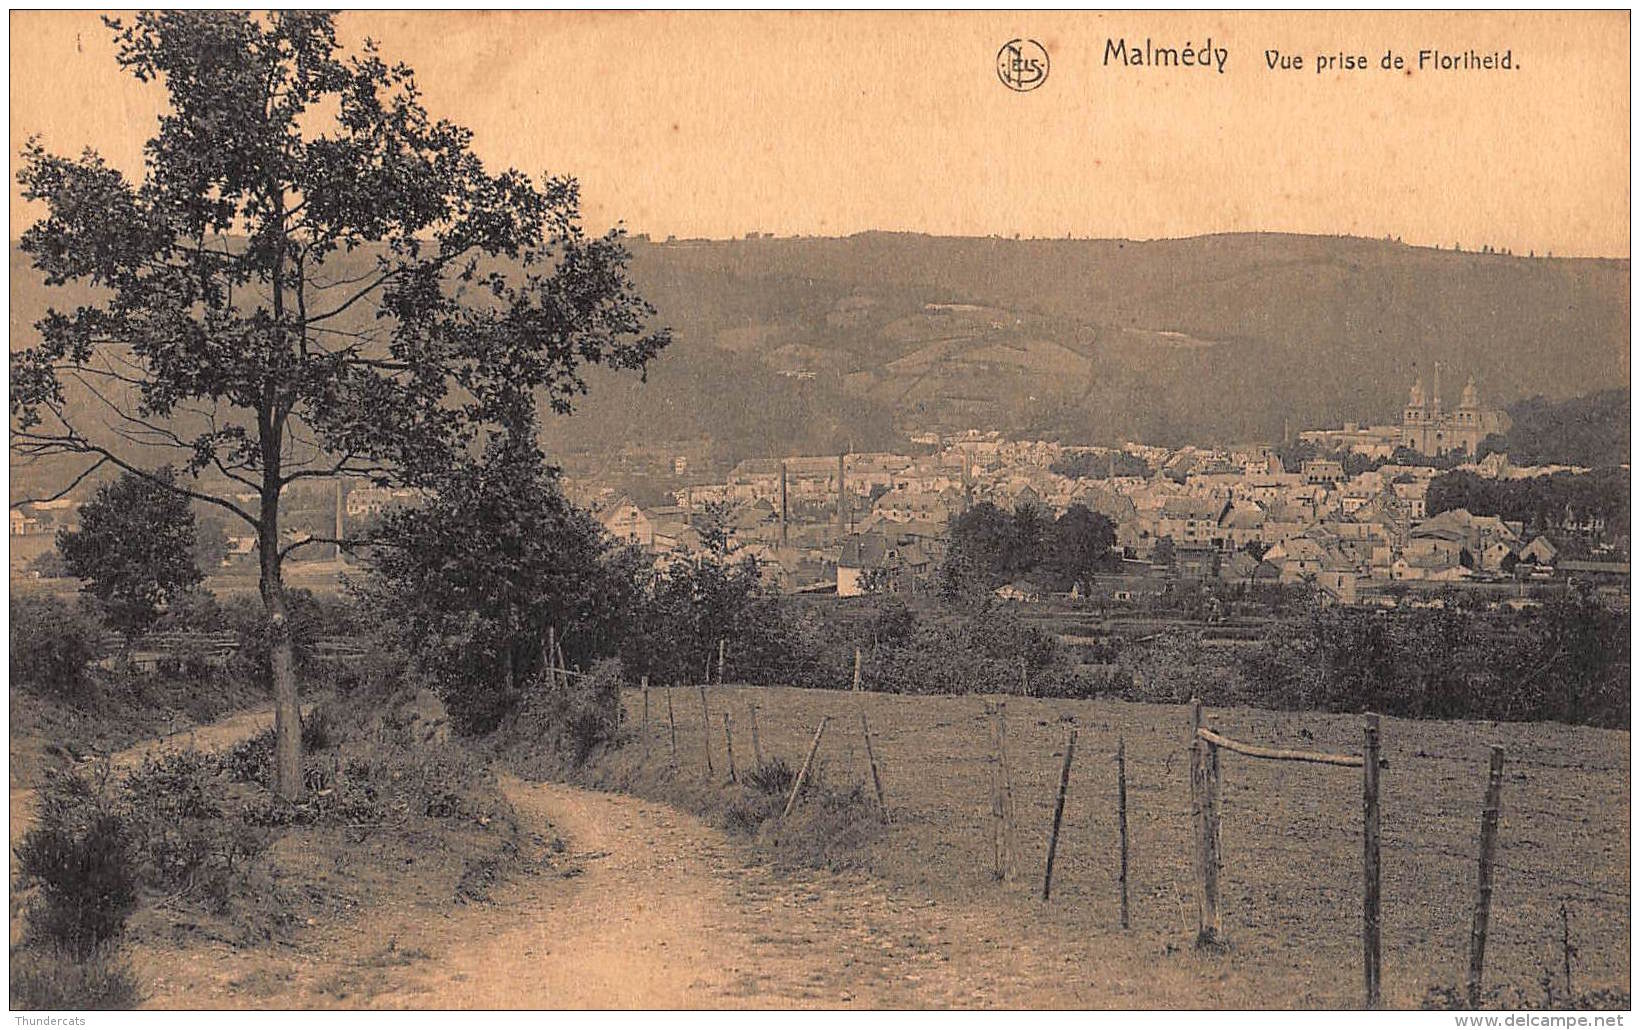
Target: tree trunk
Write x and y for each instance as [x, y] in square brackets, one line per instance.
[287, 712]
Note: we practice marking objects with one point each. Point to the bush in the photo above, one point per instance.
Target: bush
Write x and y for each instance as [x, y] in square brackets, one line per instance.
[570, 721]
[52, 979]
[774, 776]
[51, 644]
[82, 856]
[1567, 662]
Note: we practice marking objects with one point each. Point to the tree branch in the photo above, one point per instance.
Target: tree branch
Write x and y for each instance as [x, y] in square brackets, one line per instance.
[99, 463]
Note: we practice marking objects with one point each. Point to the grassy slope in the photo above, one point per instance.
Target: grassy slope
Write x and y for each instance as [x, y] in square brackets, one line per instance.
[1291, 835]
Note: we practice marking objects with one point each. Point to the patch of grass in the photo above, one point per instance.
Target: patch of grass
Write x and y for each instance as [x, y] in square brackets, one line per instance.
[832, 827]
[1290, 890]
[46, 978]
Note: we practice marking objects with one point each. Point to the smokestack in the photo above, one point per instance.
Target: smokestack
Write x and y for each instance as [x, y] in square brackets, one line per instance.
[338, 518]
[842, 511]
[782, 504]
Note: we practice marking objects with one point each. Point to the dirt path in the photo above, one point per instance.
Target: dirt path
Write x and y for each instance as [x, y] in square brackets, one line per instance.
[667, 913]
[649, 908]
[210, 737]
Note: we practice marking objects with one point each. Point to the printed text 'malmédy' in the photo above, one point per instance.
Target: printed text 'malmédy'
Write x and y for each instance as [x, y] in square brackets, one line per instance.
[1207, 55]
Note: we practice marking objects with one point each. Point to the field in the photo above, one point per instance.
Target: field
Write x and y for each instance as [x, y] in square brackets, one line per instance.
[1291, 885]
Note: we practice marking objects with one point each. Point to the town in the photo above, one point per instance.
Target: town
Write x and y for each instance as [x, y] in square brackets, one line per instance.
[827, 524]
[1348, 516]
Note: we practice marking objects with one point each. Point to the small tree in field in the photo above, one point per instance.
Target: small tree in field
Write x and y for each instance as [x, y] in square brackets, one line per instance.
[134, 548]
[313, 279]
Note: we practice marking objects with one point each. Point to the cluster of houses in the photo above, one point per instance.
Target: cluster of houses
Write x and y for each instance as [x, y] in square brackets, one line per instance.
[856, 523]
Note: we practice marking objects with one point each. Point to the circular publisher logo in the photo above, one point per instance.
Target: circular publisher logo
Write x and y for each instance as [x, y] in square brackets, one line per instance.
[1022, 65]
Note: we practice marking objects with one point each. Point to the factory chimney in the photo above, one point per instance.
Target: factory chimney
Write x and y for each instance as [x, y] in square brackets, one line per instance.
[782, 504]
[842, 502]
[338, 518]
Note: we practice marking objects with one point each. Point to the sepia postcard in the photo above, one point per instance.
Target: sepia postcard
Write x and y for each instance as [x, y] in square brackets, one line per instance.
[935, 511]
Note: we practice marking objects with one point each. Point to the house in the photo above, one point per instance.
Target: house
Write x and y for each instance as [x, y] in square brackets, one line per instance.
[1337, 586]
[1240, 523]
[1540, 551]
[1190, 520]
[241, 550]
[1239, 567]
[1198, 561]
[1431, 545]
[1496, 557]
[1297, 559]
[883, 560]
[1321, 470]
[1428, 568]
[1019, 590]
[628, 523]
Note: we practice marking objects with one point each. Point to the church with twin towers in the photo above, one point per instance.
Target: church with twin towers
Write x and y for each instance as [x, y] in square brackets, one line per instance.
[1428, 428]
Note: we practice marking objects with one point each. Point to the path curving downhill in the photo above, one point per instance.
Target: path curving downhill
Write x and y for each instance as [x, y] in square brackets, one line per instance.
[668, 913]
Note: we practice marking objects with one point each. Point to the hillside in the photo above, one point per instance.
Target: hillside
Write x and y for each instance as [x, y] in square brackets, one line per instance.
[815, 344]
[1209, 338]
[1590, 430]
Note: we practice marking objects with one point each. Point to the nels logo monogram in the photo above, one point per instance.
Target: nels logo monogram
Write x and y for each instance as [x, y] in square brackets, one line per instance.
[1022, 65]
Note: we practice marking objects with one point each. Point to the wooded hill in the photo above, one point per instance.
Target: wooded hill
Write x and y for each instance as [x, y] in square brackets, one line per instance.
[813, 345]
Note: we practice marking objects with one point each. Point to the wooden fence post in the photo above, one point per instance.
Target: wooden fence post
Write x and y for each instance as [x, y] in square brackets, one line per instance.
[1483, 882]
[871, 759]
[865, 731]
[729, 746]
[643, 683]
[706, 729]
[1204, 790]
[1371, 899]
[1058, 811]
[803, 773]
[757, 745]
[1010, 836]
[671, 727]
[996, 789]
[1121, 822]
[1566, 949]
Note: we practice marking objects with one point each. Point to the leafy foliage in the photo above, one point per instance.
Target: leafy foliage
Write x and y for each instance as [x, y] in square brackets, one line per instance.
[1085, 465]
[472, 581]
[81, 856]
[1564, 501]
[134, 548]
[1567, 662]
[1591, 430]
[989, 546]
[313, 278]
[51, 644]
[52, 979]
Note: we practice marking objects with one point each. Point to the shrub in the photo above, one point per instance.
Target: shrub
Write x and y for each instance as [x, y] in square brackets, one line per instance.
[82, 857]
[52, 979]
[774, 776]
[830, 828]
[571, 720]
[51, 644]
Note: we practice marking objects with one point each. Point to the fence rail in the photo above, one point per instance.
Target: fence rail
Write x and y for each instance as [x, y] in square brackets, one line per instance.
[156, 649]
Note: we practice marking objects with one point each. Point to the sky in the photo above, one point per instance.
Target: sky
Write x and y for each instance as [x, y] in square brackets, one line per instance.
[716, 125]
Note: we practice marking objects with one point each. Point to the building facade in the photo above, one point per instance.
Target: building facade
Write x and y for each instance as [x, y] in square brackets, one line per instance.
[1426, 427]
